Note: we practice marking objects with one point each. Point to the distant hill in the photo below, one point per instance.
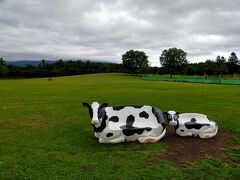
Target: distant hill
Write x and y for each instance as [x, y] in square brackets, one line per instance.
[23, 63]
[27, 62]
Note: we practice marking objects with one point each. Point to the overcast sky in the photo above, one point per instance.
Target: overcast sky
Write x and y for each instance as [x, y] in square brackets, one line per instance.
[105, 29]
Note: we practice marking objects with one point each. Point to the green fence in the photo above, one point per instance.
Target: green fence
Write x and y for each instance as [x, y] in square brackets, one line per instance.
[193, 80]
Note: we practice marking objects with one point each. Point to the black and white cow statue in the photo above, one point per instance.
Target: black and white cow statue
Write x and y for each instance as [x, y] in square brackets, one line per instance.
[126, 123]
[192, 124]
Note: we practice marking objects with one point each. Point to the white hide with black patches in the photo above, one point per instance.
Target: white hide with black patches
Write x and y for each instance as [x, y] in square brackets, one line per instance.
[128, 123]
[140, 122]
[192, 124]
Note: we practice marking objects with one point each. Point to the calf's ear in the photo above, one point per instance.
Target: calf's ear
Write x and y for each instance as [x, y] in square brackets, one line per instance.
[85, 104]
[104, 105]
[177, 113]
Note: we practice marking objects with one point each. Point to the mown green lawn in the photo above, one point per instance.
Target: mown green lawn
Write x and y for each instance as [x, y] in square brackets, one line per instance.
[45, 133]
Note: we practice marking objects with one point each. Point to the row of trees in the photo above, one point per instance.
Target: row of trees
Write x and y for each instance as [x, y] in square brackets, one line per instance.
[173, 61]
[58, 68]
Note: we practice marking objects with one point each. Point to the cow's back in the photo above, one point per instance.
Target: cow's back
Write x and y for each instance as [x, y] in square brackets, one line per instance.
[194, 118]
[131, 116]
[186, 117]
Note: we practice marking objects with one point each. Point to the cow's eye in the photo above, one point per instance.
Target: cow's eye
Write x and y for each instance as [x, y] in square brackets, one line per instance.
[169, 116]
[175, 117]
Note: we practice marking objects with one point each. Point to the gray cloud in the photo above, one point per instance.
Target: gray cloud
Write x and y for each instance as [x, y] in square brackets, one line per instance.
[105, 29]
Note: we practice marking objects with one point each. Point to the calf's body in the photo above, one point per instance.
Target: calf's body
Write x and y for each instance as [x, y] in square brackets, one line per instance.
[192, 124]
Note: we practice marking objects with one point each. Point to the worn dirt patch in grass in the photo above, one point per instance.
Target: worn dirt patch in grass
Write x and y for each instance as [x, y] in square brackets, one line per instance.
[191, 150]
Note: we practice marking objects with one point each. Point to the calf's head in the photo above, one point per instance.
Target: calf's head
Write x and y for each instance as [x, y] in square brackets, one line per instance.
[172, 117]
[95, 111]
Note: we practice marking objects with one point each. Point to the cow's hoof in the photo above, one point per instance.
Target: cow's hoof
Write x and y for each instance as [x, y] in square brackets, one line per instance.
[101, 140]
[189, 134]
[205, 136]
[147, 139]
[96, 135]
[208, 135]
[151, 139]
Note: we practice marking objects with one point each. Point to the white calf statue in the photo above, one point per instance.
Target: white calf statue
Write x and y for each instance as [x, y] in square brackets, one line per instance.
[126, 123]
[192, 124]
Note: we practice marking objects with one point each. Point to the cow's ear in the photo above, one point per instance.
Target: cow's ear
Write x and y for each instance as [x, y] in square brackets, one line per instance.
[85, 104]
[103, 105]
[177, 113]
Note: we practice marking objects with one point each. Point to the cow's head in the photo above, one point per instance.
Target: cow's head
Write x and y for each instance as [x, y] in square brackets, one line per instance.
[172, 117]
[95, 111]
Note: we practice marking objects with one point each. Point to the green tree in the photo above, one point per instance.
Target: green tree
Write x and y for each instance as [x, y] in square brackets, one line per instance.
[220, 60]
[43, 63]
[173, 58]
[3, 68]
[135, 61]
[221, 65]
[233, 58]
[233, 63]
[2, 62]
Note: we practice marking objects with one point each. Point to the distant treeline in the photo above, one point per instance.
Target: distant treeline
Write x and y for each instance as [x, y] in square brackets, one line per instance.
[209, 67]
[134, 62]
[60, 68]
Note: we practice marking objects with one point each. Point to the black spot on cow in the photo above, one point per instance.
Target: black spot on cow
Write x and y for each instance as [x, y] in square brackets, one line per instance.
[103, 123]
[109, 134]
[138, 107]
[114, 119]
[133, 130]
[118, 108]
[177, 126]
[144, 114]
[101, 112]
[130, 121]
[129, 129]
[193, 125]
[193, 120]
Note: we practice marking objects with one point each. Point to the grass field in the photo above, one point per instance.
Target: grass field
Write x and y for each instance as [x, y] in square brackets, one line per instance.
[45, 133]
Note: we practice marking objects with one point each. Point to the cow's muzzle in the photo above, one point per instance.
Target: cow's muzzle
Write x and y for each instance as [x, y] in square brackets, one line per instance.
[172, 123]
[95, 122]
